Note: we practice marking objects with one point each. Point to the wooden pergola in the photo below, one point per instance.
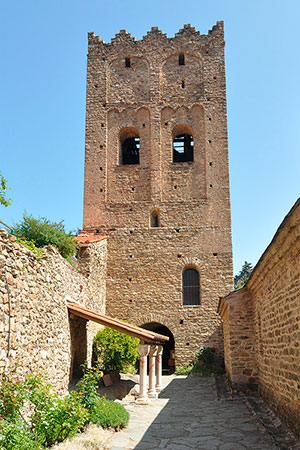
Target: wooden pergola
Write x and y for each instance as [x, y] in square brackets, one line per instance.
[150, 344]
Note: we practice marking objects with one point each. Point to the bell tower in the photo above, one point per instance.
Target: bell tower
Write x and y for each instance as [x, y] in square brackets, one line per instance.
[157, 182]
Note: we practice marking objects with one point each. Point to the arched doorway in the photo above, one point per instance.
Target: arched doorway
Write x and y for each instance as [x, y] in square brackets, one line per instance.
[168, 356]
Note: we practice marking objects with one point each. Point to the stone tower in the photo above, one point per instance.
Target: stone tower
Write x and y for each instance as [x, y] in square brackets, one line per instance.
[157, 183]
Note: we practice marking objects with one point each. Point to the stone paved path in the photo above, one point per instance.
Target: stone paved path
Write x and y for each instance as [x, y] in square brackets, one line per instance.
[187, 416]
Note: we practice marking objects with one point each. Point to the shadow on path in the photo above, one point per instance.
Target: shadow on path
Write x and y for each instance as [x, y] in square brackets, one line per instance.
[187, 416]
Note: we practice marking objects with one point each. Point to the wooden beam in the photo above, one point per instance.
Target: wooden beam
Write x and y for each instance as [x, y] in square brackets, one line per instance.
[145, 335]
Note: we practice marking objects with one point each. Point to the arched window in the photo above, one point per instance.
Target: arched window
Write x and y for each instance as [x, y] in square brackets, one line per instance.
[130, 146]
[183, 144]
[154, 219]
[190, 287]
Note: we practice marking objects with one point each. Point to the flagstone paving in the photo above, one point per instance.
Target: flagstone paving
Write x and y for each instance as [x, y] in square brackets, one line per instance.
[187, 416]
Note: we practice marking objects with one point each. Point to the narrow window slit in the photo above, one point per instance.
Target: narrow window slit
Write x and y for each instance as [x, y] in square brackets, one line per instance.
[181, 61]
[154, 220]
[127, 62]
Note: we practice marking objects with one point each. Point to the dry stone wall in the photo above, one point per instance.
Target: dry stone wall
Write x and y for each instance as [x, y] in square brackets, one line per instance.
[42, 336]
[265, 317]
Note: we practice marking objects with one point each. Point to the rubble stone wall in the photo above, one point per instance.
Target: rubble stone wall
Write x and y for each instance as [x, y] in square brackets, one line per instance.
[270, 305]
[42, 336]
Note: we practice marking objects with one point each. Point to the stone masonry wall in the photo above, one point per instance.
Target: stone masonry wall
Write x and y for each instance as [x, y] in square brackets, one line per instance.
[43, 337]
[239, 339]
[273, 291]
[158, 98]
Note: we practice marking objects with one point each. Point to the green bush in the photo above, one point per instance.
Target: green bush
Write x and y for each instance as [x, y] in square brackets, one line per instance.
[43, 232]
[109, 414]
[30, 245]
[87, 386]
[184, 370]
[48, 418]
[16, 435]
[33, 416]
[100, 410]
[61, 419]
[115, 350]
[205, 362]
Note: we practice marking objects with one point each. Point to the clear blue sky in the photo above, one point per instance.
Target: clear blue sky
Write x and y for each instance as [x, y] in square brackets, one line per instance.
[43, 70]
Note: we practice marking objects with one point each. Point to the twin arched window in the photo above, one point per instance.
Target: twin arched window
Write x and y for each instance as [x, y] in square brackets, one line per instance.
[183, 145]
[190, 287]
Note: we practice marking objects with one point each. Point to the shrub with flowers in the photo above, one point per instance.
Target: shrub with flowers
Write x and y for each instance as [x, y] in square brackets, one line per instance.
[33, 416]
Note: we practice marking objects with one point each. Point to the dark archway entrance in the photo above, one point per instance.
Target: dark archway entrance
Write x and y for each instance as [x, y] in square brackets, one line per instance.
[78, 335]
[168, 357]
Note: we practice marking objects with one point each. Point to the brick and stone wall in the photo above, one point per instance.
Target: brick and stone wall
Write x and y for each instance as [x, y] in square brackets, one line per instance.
[157, 98]
[42, 336]
[262, 324]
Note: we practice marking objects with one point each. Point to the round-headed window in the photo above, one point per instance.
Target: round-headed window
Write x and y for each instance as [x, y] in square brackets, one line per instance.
[190, 287]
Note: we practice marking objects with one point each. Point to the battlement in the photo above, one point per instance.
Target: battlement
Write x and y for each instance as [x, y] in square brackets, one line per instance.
[216, 35]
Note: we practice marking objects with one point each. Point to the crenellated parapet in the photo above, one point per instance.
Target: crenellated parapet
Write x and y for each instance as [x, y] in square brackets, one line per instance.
[187, 34]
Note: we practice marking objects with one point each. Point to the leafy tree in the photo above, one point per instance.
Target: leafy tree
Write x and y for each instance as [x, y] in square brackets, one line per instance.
[241, 279]
[3, 191]
[44, 232]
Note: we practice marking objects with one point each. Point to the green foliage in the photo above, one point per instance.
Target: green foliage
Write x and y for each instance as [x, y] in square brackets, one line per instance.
[184, 370]
[43, 232]
[31, 246]
[109, 414]
[17, 435]
[61, 418]
[205, 362]
[241, 279]
[32, 416]
[88, 384]
[4, 201]
[115, 350]
[100, 410]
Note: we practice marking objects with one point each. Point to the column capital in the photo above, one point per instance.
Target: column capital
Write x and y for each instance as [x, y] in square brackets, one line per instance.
[143, 349]
[160, 349]
[153, 350]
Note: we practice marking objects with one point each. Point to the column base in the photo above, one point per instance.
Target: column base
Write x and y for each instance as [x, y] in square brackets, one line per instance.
[143, 401]
[159, 388]
[152, 394]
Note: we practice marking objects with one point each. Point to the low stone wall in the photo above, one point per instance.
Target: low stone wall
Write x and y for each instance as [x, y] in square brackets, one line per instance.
[36, 332]
[262, 324]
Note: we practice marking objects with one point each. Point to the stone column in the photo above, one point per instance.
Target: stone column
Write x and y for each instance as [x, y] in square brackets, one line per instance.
[152, 357]
[143, 352]
[158, 368]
